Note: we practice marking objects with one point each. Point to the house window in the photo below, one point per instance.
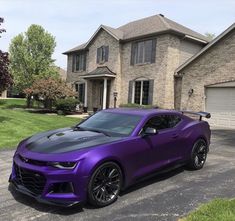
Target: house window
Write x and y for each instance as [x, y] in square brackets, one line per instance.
[143, 52]
[141, 92]
[102, 54]
[81, 93]
[79, 62]
[80, 89]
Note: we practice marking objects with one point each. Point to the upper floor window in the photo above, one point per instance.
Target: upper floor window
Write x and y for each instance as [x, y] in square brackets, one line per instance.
[143, 52]
[79, 62]
[102, 54]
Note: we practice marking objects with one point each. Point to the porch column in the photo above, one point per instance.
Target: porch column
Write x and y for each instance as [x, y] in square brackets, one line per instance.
[105, 93]
[85, 96]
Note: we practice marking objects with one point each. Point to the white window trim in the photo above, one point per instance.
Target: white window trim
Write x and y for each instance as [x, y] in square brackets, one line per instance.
[141, 90]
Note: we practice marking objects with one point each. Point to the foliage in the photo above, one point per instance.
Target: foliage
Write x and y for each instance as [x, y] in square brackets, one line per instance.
[66, 105]
[130, 105]
[15, 125]
[48, 90]
[5, 77]
[210, 36]
[31, 56]
[216, 210]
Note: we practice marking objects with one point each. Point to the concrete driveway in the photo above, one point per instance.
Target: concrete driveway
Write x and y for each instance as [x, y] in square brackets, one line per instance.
[165, 197]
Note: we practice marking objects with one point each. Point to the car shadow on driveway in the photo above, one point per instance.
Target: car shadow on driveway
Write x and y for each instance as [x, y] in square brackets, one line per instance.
[29, 201]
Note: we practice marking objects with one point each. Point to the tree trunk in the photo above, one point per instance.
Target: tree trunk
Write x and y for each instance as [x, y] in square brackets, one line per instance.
[29, 102]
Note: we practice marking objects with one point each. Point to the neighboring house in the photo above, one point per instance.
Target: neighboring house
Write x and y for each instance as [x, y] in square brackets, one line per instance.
[62, 73]
[136, 62]
[207, 80]
[3, 94]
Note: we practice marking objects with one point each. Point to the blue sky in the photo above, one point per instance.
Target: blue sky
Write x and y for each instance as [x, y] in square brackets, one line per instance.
[72, 22]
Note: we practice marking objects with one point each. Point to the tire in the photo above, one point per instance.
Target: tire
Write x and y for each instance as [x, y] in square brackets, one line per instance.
[198, 155]
[105, 184]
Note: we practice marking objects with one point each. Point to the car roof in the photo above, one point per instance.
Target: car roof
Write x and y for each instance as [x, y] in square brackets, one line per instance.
[140, 111]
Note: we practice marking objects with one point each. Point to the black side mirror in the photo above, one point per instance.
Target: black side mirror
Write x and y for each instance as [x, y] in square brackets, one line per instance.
[149, 131]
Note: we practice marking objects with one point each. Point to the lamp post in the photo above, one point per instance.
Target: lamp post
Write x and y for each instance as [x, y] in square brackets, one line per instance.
[115, 94]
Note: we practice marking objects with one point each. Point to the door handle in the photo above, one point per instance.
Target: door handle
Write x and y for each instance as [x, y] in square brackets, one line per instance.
[175, 135]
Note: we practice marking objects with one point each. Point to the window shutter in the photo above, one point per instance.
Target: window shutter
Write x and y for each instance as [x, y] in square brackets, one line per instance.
[106, 53]
[98, 56]
[130, 91]
[73, 62]
[133, 46]
[151, 88]
[153, 57]
[84, 60]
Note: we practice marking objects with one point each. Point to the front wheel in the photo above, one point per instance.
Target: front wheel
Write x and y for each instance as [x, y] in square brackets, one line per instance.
[105, 184]
[198, 155]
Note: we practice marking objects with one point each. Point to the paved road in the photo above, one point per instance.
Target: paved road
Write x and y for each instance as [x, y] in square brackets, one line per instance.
[165, 197]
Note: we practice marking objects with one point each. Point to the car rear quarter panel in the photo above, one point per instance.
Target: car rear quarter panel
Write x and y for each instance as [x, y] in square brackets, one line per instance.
[193, 131]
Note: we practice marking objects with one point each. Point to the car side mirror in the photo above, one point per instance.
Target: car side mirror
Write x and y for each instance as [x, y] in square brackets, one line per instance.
[150, 131]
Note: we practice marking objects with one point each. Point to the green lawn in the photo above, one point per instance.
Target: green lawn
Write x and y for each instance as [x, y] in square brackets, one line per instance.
[18, 124]
[13, 103]
[216, 210]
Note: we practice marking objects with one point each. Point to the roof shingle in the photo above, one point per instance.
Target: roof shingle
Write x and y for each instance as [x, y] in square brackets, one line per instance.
[155, 24]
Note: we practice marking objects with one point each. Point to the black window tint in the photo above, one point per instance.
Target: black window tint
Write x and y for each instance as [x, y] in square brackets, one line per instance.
[163, 122]
[173, 120]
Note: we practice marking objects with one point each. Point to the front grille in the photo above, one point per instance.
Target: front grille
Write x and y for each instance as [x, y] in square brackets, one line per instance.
[31, 180]
[34, 162]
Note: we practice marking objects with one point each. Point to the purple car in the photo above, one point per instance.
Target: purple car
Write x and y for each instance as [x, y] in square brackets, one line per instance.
[106, 153]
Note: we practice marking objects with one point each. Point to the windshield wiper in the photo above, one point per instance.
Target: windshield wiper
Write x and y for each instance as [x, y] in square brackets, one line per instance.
[78, 128]
[98, 131]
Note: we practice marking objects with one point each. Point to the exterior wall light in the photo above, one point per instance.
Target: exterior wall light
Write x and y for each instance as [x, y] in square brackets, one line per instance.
[190, 92]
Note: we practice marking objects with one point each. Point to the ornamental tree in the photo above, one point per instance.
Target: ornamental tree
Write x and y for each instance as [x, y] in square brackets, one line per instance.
[5, 77]
[48, 90]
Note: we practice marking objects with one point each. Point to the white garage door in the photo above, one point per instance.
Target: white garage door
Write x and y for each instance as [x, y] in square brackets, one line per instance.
[220, 102]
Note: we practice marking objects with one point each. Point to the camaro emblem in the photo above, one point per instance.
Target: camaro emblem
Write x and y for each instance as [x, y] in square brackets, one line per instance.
[25, 159]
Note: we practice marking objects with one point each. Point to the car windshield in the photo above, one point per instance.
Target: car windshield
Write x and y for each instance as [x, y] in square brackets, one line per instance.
[111, 123]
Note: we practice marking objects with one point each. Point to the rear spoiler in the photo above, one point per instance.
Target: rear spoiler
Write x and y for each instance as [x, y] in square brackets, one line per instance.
[201, 114]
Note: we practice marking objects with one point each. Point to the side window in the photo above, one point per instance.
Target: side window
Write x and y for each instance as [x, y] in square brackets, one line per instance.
[163, 122]
[173, 120]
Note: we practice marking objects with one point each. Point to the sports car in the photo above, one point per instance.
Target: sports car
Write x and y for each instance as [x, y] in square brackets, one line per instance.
[114, 148]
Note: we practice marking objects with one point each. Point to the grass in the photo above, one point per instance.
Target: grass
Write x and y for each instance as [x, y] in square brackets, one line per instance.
[216, 210]
[16, 125]
[13, 103]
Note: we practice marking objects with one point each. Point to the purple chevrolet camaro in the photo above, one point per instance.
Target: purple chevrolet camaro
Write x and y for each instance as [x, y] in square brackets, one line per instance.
[111, 150]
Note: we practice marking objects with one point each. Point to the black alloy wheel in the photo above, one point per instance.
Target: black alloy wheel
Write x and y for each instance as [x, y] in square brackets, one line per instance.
[105, 184]
[198, 155]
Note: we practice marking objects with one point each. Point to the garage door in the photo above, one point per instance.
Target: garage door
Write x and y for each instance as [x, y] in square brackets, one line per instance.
[220, 102]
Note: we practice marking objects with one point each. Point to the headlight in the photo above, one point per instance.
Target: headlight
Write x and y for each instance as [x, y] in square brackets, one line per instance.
[64, 165]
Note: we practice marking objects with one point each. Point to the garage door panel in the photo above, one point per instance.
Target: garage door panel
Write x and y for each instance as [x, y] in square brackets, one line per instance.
[220, 102]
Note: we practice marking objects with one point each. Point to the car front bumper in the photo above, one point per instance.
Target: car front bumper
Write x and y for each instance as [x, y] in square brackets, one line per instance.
[39, 182]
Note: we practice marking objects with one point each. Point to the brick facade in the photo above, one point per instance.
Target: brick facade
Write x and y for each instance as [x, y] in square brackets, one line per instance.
[171, 51]
[215, 66]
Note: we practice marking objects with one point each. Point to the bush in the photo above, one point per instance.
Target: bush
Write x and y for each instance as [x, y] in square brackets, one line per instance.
[66, 105]
[129, 105]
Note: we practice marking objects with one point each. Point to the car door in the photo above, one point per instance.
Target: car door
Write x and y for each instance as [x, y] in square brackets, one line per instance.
[165, 146]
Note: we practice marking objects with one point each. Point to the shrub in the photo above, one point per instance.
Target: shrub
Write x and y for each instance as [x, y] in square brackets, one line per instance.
[66, 105]
[130, 105]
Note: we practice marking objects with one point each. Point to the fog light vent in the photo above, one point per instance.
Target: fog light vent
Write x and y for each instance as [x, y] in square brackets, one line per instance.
[66, 187]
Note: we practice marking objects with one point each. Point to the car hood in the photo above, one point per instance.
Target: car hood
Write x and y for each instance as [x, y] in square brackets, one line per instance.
[65, 140]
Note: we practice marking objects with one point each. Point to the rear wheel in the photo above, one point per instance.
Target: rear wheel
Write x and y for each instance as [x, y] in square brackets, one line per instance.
[105, 184]
[198, 155]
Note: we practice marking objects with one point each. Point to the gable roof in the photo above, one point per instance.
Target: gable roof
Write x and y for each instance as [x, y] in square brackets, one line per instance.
[152, 25]
[206, 48]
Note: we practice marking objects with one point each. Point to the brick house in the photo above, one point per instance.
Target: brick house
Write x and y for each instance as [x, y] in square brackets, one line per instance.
[136, 62]
[207, 80]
